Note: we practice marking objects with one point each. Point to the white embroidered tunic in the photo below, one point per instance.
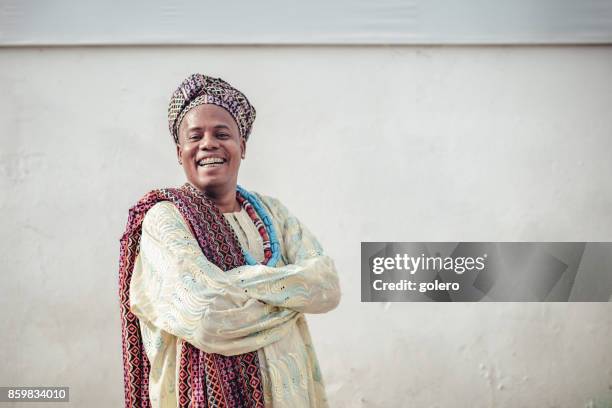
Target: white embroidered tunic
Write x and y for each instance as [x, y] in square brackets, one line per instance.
[176, 293]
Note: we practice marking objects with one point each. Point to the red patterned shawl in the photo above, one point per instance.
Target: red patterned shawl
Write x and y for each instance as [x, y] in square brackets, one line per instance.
[205, 379]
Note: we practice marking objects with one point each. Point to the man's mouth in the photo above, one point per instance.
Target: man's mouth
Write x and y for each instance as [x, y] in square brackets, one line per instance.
[211, 162]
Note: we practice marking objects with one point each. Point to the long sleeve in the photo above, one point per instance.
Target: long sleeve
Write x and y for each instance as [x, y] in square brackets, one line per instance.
[178, 290]
[308, 283]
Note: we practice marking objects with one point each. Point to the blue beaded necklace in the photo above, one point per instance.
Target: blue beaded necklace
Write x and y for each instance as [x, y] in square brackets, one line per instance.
[260, 216]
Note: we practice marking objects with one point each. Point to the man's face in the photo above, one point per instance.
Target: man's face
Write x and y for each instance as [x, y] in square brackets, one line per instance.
[210, 149]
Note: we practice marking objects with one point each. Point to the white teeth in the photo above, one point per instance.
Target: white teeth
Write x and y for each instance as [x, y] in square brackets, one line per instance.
[210, 160]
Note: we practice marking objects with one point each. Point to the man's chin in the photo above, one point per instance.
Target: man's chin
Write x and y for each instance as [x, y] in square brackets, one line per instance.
[209, 183]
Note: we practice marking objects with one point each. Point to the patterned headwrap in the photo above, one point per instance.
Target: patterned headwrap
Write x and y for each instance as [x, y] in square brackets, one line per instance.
[198, 89]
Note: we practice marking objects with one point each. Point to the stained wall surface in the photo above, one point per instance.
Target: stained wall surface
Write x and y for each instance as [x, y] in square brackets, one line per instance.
[361, 143]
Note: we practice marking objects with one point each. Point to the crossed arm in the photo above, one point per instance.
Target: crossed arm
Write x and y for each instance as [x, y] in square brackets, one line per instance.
[179, 291]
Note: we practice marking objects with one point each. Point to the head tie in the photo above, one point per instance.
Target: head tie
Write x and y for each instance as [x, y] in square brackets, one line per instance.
[198, 89]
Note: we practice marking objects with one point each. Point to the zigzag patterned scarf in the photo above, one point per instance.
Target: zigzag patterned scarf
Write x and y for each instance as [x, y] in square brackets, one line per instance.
[205, 379]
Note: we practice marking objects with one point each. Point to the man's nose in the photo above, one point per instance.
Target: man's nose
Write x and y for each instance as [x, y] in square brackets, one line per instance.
[208, 141]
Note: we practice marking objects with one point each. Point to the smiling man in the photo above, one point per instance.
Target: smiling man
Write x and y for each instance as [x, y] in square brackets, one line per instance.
[210, 149]
[215, 280]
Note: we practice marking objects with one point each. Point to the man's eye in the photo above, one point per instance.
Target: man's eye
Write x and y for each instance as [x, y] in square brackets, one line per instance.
[194, 136]
[222, 135]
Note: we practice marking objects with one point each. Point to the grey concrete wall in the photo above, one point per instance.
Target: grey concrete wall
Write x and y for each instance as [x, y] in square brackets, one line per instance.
[209, 22]
[363, 144]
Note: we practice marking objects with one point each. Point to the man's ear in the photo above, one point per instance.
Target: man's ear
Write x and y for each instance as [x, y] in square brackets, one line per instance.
[243, 147]
[179, 151]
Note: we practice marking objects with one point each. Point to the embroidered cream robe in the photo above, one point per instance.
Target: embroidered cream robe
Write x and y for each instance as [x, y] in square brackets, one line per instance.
[177, 294]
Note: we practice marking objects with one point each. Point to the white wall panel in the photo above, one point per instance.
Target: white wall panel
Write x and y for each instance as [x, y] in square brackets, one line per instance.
[361, 143]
